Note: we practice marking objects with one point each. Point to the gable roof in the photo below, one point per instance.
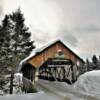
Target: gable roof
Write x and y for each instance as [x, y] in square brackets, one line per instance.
[37, 51]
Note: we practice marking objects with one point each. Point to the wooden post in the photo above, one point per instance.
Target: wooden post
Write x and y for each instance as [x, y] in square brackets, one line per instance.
[11, 83]
[73, 79]
[63, 73]
[55, 72]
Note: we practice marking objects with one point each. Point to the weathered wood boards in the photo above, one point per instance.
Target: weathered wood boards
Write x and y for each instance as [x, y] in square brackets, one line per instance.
[51, 51]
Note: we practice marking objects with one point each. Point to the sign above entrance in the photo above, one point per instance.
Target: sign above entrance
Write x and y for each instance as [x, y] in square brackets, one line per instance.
[59, 54]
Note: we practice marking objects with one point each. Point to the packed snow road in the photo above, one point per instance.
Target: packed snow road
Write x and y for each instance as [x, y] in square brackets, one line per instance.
[49, 91]
[63, 91]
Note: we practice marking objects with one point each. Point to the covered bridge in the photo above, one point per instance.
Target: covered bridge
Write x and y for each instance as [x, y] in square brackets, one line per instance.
[53, 61]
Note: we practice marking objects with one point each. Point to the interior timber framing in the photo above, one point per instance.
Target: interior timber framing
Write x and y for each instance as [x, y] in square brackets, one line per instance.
[55, 69]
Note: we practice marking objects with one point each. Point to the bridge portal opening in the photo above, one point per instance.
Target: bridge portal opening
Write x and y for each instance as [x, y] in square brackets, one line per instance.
[28, 71]
[58, 68]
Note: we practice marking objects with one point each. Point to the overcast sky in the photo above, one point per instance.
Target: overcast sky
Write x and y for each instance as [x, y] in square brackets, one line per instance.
[76, 22]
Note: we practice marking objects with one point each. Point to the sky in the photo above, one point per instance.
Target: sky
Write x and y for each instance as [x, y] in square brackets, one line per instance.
[75, 22]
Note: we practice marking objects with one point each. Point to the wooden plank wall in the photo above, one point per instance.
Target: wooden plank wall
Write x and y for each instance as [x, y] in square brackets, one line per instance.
[50, 53]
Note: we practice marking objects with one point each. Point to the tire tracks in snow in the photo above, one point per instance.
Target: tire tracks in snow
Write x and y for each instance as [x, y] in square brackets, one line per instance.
[51, 92]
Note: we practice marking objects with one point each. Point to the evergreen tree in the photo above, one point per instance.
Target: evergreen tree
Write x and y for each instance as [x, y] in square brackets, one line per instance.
[94, 59]
[20, 43]
[5, 31]
[99, 58]
[15, 42]
[88, 64]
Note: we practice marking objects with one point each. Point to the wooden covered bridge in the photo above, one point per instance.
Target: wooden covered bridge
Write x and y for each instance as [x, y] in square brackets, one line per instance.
[55, 61]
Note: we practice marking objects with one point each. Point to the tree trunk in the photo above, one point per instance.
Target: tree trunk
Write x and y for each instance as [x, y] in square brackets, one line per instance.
[11, 83]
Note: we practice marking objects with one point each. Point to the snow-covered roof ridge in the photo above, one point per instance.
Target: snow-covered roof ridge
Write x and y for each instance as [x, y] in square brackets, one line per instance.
[37, 50]
[45, 46]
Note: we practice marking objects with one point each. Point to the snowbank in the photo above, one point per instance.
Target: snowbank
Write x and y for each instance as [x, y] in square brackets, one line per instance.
[64, 91]
[89, 82]
[17, 83]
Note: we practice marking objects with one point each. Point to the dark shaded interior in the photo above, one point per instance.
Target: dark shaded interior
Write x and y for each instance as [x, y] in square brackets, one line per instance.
[28, 71]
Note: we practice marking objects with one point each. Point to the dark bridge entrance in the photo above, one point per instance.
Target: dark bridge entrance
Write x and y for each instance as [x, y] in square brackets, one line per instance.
[28, 71]
[60, 69]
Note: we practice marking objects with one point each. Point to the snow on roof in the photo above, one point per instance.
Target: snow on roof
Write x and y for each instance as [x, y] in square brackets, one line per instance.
[39, 49]
[35, 51]
[45, 46]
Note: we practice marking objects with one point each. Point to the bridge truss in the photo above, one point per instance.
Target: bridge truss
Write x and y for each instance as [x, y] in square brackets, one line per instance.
[59, 69]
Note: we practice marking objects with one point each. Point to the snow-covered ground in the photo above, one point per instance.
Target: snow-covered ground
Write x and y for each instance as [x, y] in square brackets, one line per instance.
[35, 96]
[89, 83]
[86, 88]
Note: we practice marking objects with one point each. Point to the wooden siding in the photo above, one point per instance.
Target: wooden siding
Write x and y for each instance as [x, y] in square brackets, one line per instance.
[50, 52]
